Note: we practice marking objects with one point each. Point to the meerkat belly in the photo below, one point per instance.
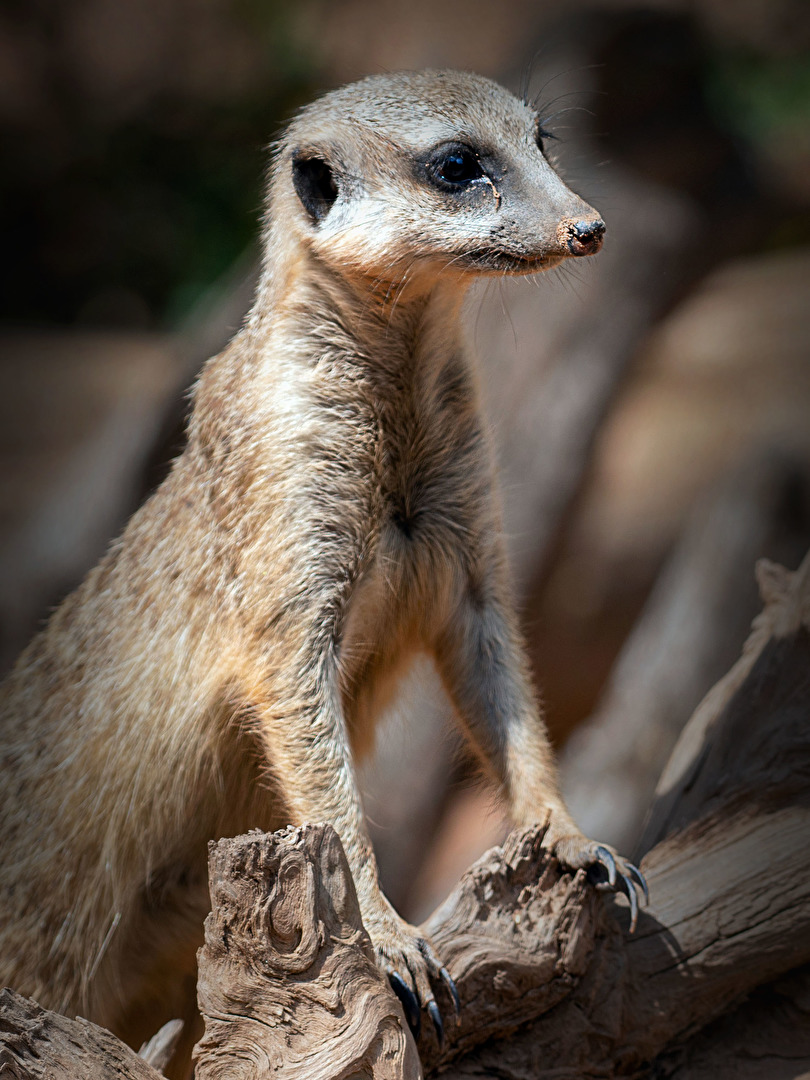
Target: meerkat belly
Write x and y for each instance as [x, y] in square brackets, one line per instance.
[398, 604]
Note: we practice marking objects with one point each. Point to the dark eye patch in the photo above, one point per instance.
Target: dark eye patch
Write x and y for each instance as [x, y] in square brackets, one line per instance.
[314, 184]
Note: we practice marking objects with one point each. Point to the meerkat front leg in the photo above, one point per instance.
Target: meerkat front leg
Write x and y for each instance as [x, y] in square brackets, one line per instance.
[483, 664]
[312, 764]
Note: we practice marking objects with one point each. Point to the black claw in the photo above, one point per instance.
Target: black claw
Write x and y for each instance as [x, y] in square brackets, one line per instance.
[637, 876]
[451, 986]
[630, 889]
[436, 1017]
[409, 1000]
[606, 858]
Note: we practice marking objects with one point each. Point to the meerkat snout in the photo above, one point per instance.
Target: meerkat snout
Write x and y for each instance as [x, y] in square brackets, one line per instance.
[584, 237]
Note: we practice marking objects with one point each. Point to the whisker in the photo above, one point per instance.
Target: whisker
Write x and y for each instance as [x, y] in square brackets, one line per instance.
[559, 75]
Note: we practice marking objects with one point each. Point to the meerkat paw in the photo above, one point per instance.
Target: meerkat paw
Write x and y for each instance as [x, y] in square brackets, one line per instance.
[413, 969]
[605, 867]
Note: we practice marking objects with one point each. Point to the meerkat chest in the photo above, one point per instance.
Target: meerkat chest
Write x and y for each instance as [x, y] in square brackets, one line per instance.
[435, 492]
[432, 497]
[433, 484]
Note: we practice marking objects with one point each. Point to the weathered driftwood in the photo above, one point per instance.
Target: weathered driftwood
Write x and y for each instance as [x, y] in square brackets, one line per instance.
[36, 1044]
[287, 974]
[550, 983]
[535, 953]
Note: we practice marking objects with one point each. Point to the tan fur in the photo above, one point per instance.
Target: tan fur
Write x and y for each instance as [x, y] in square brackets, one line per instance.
[224, 665]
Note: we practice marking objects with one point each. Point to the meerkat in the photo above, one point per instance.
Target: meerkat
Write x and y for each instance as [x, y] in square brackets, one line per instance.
[333, 513]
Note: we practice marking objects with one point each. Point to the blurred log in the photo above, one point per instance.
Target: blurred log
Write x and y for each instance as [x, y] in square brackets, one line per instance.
[568, 352]
[692, 628]
[727, 744]
[78, 413]
[405, 784]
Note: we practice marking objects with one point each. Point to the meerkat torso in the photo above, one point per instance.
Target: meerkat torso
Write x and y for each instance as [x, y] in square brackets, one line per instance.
[333, 513]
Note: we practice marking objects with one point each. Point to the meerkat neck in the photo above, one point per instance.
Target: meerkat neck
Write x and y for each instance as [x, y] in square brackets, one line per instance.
[372, 319]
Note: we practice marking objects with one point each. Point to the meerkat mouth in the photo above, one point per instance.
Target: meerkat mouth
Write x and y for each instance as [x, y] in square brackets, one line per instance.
[535, 265]
[509, 262]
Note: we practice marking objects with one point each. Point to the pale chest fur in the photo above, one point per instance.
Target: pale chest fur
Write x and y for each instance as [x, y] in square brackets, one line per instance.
[432, 526]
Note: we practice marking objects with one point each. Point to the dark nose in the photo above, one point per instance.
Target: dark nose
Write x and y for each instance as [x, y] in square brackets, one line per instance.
[585, 237]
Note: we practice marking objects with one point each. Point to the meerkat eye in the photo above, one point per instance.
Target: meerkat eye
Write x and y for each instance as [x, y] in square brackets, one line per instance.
[459, 167]
[315, 185]
[455, 166]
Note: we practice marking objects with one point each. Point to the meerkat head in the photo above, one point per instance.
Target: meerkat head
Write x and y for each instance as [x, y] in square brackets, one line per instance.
[426, 172]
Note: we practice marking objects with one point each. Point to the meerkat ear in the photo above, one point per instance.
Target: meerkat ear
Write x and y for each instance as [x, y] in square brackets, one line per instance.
[314, 184]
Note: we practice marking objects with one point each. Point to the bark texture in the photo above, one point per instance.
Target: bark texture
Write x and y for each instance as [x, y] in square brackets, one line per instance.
[766, 1038]
[287, 976]
[36, 1044]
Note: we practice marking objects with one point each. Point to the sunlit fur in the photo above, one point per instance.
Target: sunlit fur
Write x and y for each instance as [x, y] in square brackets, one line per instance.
[223, 667]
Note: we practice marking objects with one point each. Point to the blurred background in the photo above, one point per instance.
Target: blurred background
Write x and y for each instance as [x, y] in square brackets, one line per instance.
[651, 408]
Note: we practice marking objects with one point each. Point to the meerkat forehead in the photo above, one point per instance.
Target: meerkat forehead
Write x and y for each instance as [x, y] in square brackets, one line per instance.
[416, 108]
